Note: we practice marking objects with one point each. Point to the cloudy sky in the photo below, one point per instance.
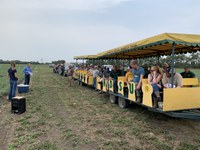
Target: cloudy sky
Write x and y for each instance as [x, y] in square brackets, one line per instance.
[61, 29]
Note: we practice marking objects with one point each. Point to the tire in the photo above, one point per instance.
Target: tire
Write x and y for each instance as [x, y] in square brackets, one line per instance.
[113, 99]
[123, 103]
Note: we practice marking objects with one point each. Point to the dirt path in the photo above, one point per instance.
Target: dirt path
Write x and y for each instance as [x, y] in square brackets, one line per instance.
[59, 117]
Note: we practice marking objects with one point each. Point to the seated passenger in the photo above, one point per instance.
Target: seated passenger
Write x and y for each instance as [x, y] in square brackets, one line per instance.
[106, 73]
[89, 72]
[138, 74]
[104, 76]
[115, 72]
[187, 73]
[128, 75]
[154, 78]
[146, 71]
[100, 75]
[165, 68]
[95, 74]
[167, 80]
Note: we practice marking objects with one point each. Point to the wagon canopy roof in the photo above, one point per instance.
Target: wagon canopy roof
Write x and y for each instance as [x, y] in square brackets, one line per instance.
[86, 57]
[158, 45]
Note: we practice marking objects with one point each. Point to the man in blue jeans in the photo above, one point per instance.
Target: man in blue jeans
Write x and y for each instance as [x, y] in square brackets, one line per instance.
[27, 72]
[12, 74]
[138, 74]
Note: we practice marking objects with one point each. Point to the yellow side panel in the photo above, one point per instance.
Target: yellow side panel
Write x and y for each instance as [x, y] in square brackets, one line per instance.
[144, 81]
[147, 92]
[120, 84]
[86, 79]
[122, 78]
[131, 91]
[90, 80]
[111, 85]
[105, 85]
[181, 98]
[97, 83]
[83, 77]
[190, 81]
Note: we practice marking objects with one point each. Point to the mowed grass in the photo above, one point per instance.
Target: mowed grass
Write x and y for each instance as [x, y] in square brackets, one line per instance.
[60, 117]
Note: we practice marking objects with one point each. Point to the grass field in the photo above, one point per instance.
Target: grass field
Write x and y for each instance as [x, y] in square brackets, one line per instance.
[62, 118]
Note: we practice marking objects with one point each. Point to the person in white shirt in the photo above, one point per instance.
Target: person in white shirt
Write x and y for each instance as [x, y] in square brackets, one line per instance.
[95, 74]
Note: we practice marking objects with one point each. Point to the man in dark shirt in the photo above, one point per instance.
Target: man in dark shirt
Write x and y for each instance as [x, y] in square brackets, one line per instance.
[114, 75]
[187, 73]
[12, 74]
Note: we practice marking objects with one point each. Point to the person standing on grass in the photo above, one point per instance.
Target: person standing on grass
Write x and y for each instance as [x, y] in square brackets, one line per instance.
[70, 73]
[12, 75]
[95, 72]
[27, 72]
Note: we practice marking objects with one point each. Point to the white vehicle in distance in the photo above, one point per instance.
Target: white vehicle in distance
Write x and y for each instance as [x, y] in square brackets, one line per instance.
[108, 66]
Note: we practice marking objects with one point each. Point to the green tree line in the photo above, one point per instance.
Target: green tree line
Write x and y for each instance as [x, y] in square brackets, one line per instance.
[17, 62]
[181, 60]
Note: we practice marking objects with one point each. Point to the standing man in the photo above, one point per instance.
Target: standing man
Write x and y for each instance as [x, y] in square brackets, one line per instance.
[95, 74]
[27, 72]
[12, 75]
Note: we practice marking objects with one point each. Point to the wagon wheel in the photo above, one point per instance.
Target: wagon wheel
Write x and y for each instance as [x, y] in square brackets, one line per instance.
[113, 99]
[123, 103]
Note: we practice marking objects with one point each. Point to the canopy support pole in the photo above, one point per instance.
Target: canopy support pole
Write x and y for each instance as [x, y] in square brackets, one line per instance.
[172, 64]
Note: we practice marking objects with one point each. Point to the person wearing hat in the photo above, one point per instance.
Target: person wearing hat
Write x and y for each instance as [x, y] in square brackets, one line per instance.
[187, 73]
[165, 68]
[167, 80]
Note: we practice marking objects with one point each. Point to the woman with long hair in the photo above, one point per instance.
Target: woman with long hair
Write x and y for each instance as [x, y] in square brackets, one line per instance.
[154, 78]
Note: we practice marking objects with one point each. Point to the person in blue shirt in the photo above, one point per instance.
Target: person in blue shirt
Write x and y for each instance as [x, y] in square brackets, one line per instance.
[12, 75]
[138, 74]
[27, 72]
